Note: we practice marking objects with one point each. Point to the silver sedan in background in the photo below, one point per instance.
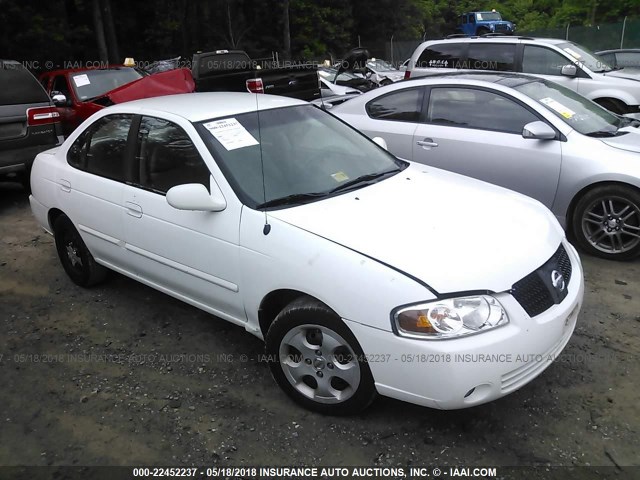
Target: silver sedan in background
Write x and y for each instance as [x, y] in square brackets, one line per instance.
[523, 133]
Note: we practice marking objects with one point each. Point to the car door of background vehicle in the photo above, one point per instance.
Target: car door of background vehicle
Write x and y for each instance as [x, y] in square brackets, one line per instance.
[394, 117]
[190, 254]
[90, 190]
[478, 133]
[547, 63]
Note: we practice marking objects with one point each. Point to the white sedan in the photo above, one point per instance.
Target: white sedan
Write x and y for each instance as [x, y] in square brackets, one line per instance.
[363, 273]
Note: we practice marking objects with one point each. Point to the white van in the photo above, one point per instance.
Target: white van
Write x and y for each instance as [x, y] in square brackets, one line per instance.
[561, 61]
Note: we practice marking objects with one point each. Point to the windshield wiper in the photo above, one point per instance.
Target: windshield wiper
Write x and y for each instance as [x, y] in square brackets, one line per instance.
[364, 180]
[292, 199]
[602, 133]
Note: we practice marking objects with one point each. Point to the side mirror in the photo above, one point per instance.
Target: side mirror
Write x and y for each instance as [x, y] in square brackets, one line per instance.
[59, 99]
[195, 196]
[380, 142]
[538, 131]
[569, 70]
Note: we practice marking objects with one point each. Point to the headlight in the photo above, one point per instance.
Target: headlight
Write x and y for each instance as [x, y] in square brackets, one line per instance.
[450, 318]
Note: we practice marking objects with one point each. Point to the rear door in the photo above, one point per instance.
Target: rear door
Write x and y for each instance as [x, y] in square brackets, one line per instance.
[478, 133]
[91, 191]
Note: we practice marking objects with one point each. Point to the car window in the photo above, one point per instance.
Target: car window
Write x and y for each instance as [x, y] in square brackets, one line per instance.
[101, 149]
[19, 86]
[89, 84]
[167, 157]
[403, 106]
[60, 85]
[627, 59]
[609, 58]
[474, 108]
[543, 61]
[443, 55]
[576, 111]
[496, 56]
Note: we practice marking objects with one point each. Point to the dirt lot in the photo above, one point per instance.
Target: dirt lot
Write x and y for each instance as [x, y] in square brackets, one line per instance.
[124, 375]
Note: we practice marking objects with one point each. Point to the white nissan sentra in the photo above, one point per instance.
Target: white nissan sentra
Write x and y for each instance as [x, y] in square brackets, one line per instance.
[363, 273]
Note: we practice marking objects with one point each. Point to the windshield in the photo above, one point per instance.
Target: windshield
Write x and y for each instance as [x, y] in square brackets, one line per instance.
[380, 66]
[303, 151]
[581, 114]
[94, 83]
[488, 17]
[585, 57]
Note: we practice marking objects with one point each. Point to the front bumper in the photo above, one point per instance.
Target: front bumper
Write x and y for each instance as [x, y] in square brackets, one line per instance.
[460, 373]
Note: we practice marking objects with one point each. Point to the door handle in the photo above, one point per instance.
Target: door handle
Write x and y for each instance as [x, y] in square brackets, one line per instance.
[133, 209]
[427, 142]
[65, 185]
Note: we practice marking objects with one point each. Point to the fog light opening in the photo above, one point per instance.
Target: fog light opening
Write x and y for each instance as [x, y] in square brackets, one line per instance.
[478, 394]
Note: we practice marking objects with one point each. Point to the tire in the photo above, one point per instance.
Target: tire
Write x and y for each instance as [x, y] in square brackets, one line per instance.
[606, 222]
[75, 257]
[613, 105]
[317, 361]
[385, 82]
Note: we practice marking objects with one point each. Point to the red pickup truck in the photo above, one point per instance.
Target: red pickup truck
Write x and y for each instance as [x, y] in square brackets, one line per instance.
[78, 93]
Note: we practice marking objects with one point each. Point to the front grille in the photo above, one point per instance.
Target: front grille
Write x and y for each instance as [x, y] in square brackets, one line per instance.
[536, 292]
[501, 28]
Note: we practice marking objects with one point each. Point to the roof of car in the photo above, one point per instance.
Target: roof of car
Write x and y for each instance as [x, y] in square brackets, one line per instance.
[499, 39]
[196, 107]
[503, 78]
[619, 50]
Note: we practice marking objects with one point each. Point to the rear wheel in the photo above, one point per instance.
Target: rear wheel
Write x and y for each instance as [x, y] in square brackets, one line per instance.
[606, 222]
[74, 255]
[317, 361]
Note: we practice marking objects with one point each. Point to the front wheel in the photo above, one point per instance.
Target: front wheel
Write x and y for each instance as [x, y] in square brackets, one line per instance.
[606, 222]
[613, 105]
[317, 361]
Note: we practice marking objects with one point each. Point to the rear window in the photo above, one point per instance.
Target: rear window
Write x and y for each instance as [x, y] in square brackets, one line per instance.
[19, 86]
[224, 61]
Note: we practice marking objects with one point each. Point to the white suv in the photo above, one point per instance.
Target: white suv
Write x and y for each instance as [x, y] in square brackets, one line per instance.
[560, 61]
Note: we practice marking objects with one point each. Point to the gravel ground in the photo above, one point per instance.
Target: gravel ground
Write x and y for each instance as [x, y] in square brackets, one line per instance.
[123, 375]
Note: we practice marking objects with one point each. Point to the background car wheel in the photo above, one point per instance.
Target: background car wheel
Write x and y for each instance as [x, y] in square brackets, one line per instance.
[606, 222]
[75, 256]
[613, 105]
[317, 361]
[386, 82]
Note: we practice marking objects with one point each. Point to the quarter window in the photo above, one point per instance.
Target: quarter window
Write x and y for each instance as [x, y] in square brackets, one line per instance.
[497, 56]
[542, 61]
[442, 55]
[101, 149]
[473, 108]
[403, 106]
[167, 157]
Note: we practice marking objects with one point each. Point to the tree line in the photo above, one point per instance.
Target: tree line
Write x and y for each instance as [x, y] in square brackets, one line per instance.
[68, 30]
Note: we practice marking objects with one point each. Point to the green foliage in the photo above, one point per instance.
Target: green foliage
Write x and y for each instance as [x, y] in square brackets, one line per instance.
[63, 30]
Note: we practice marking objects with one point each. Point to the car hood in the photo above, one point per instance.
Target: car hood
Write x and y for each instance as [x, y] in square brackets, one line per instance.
[626, 73]
[394, 76]
[629, 142]
[452, 232]
[156, 85]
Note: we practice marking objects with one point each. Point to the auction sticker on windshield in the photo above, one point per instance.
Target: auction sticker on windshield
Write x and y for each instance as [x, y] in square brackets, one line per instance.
[558, 107]
[81, 80]
[231, 134]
